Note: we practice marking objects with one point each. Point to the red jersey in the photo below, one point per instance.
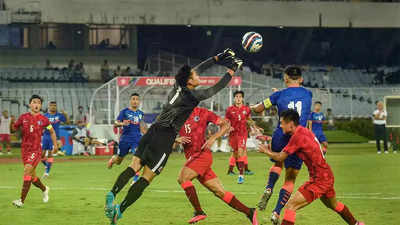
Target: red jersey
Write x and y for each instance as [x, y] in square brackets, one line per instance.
[238, 117]
[195, 128]
[304, 143]
[32, 130]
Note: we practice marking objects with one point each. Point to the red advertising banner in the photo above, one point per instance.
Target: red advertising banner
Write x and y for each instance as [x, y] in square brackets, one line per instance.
[169, 81]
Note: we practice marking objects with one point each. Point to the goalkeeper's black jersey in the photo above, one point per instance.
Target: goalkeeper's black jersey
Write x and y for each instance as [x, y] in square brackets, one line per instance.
[182, 101]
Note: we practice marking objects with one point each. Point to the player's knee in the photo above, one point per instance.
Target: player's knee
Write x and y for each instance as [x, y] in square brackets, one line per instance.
[28, 169]
[291, 175]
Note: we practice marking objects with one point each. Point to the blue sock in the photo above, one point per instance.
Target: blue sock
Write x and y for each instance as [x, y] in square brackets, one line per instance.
[44, 163]
[284, 196]
[273, 177]
[48, 167]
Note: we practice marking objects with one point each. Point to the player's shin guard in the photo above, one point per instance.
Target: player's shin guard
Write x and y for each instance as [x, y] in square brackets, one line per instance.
[122, 180]
[191, 194]
[274, 174]
[49, 163]
[134, 193]
[345, 213]
[232, 163]
[233, 202]
[25, 187]
[289, 218]
[36, 181]
[284, 196]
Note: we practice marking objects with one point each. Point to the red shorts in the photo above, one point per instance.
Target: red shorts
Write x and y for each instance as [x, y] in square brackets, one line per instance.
[201, 164]
[313, 190]
[5, 138]
[237, 141]
[31, 157]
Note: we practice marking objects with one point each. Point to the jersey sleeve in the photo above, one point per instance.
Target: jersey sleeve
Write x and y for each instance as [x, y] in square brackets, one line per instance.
[310, 117]
[18, 123]
[121, 115]
[213, 118]
[228, 113]
[248, 113]
[271, 100]
[293, 146]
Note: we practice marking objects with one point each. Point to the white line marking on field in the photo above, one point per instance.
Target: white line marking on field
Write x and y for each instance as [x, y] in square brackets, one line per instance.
[363, 196]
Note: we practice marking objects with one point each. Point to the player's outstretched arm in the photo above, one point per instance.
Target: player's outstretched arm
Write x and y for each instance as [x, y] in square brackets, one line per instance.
[143, 127]
[258, 108]
[224, 127]
[218, 59]
[66, 121]
[278, 156]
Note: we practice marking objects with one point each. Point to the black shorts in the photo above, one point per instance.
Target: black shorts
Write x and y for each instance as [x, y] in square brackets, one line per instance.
[155, 146]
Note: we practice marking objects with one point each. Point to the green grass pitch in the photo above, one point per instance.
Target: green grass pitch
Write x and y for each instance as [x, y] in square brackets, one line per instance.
[369, 184]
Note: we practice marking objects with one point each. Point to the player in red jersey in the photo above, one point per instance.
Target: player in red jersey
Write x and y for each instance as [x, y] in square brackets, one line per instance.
[32, 125]
[239, 117]
[199, 161]
[305, 145]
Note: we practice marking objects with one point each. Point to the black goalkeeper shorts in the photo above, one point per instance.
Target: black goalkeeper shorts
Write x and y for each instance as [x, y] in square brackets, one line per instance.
[155, 146]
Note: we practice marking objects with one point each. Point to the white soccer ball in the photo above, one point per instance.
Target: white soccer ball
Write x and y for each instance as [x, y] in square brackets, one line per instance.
[252, 42]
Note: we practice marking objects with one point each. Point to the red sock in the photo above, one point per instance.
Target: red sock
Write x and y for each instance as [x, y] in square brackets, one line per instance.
[246, 163]
[289, 217]
[233, 202]
[192, 195]
[345, 213]
[25, 187]
[36, 181]
[241, 165]
[232, 162]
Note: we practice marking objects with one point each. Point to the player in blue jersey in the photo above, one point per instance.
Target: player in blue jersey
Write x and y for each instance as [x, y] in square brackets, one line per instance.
[131, 120]
[315, 122]
[56, 119]
[293, 97]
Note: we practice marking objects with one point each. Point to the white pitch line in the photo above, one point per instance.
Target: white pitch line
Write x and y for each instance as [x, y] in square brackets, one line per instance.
[363, 196]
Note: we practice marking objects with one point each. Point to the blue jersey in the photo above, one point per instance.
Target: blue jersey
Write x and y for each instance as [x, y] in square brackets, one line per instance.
[55, 120]
[297, 98]
[317, 119]
[132, 131]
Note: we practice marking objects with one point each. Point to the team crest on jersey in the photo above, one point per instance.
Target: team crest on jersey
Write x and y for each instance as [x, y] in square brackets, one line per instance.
[196, 118]
[244, 112]
[39, 123]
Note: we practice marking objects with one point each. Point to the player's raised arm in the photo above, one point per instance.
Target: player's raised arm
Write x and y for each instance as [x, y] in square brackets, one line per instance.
[266, 103]
[53, 138]
[278, 156]
[65, 120]
[143, 127]
[224, 127]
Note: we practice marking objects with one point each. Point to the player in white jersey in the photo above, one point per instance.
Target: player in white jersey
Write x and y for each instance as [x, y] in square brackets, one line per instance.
[5, 127]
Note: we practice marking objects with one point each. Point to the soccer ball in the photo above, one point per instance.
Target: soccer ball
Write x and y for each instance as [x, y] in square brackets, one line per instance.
[252, 42]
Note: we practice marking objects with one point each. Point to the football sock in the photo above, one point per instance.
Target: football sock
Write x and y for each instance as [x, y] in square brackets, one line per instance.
[233, 202]
[122, 180]
[49, 163]
[232, 162]
[246, 163]
[25, 187]
[274, 174]
[36, 181]
[191, 194]
[289, 218]
[345, 213]
[284, 196]
[241, 166]
[134, 193]
[44, 161]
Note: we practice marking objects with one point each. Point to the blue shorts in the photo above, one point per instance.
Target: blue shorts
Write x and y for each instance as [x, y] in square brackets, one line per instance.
[320, 136]
[279, 141]
[125, 147]
[47, 143]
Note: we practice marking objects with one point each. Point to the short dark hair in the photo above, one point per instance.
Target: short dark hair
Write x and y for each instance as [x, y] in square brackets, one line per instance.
[35, 97]
[238, 92]
[183, 75]
[135, 94]
[318, 102]
[290, 115]
[53, 102]
[294, 72]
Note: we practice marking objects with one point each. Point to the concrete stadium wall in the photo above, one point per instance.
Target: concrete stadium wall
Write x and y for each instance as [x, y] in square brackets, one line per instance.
[214, 12]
